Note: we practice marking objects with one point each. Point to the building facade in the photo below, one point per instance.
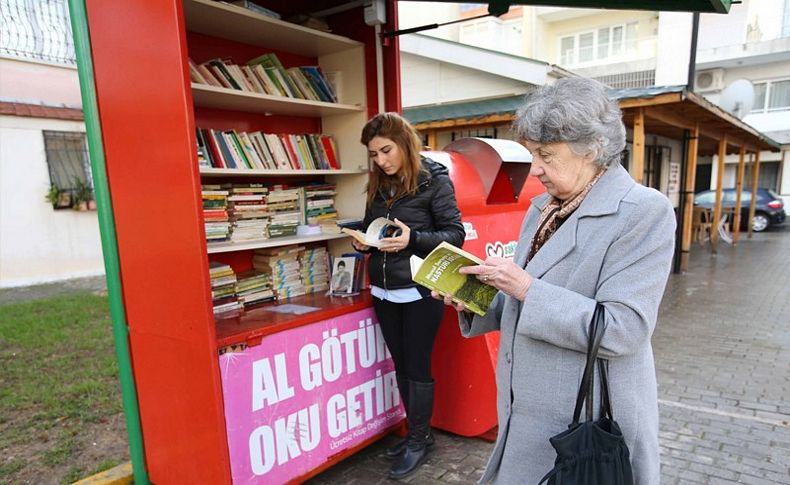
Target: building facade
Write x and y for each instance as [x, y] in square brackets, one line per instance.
[638, 49]
[45, 177]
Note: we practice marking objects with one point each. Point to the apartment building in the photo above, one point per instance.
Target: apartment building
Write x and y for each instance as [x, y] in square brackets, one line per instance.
[633, 49]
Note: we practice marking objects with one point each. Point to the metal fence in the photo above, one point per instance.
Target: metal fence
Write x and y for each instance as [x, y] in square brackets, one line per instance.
[36, 29]
[67, 158]
[636, 79]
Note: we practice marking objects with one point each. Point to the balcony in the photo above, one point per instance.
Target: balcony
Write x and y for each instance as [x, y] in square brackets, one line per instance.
[746, 54]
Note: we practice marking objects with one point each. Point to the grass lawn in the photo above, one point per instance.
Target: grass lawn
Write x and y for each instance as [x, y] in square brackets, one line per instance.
[60, 404]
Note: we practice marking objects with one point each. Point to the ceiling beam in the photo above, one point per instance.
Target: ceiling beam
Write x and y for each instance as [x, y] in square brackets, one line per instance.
[663, 116]
[666, 98]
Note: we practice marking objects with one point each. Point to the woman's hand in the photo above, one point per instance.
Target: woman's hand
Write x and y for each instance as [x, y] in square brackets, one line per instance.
[448, 301]
[359, 246]
[396, 243]
[504, 275]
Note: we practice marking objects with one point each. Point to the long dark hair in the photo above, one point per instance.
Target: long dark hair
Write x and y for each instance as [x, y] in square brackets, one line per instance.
[400, 131]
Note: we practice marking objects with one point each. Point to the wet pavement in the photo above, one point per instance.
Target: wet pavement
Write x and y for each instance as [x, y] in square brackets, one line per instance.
[722, 349]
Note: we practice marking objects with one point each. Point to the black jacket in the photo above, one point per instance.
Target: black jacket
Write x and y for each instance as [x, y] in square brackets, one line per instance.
[432, 215]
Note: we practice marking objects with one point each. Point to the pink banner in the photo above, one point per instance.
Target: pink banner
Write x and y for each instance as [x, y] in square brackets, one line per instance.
[306, 394]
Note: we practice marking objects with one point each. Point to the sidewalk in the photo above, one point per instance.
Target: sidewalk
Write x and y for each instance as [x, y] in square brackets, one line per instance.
[722, 349]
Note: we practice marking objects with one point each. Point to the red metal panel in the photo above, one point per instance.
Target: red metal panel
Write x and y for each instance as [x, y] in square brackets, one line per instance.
[464, 369]
[145, 105]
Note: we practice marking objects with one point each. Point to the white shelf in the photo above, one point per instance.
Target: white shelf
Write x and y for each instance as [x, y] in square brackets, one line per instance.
[241, 172]
[219, 19]
[226, 247]
[207, 96]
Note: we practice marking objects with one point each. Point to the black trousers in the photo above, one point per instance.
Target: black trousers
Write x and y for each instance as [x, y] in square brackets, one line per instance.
[410, 330]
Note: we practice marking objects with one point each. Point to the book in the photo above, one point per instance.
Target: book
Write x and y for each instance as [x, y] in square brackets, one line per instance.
[376, 231]
[439, 272]
[254, 7]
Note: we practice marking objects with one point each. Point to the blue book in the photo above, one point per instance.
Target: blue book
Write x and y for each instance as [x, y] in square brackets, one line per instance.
[223, 147]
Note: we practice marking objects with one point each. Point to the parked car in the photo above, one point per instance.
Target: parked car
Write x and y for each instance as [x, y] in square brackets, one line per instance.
[769, 210]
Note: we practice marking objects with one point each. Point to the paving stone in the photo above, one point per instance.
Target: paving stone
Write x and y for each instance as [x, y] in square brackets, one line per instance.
[722, 345]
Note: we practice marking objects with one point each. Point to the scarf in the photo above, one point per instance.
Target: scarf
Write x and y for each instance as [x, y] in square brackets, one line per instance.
[554, 214]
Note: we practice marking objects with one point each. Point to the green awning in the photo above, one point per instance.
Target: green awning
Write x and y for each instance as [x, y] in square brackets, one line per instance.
[467, 110]
[704, 6]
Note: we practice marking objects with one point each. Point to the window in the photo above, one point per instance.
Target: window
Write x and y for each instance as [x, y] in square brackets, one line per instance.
[771, 96]
[566, 50]
[603, 43]
[586, 47]
[495, 34]
[69, 165]
[465, 7]
[705, 198]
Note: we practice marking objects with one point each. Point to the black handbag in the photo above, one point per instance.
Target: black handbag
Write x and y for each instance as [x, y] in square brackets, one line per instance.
[592, 452]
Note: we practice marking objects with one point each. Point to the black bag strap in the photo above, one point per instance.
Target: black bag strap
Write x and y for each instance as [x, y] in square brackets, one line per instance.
[606, 400]
[594, 337]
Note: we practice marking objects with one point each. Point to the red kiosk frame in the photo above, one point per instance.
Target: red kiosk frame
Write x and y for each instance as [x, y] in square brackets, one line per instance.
[141, 113]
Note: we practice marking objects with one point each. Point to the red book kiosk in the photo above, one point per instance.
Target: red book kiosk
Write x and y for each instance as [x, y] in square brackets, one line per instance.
[271, 397]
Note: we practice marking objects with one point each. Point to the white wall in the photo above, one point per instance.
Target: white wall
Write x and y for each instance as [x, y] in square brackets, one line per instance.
[426, 81]
[36, 82]
[716, 30]
[39, 244]
[762, 17]
[674, 48]
[416, 14]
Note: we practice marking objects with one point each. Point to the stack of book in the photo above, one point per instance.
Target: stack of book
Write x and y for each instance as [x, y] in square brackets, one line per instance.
[319, 204]
[223, 290]
[283, 265]
[248, 212]
[265, 74]
[254, 288]
[265, 151]
[284, 212]
[315, 269]
[215, 213]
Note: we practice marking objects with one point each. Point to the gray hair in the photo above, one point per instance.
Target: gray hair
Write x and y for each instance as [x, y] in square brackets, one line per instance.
[578, 112]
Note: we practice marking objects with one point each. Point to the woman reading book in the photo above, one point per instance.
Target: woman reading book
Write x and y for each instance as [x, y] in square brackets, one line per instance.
[594, 237]
[416, 193]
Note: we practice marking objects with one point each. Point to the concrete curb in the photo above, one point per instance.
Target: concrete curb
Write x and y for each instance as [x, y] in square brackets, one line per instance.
[120, 475]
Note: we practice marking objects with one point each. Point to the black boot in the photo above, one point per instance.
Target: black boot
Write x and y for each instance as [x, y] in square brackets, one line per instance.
[419, 418]
[403, 387]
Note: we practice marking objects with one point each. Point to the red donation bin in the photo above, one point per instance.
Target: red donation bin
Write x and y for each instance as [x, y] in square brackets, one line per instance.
[493, 191]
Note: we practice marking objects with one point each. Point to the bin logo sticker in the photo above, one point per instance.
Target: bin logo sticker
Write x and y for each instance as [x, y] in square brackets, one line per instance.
[471, 232]
[306, 394]
[499, 250]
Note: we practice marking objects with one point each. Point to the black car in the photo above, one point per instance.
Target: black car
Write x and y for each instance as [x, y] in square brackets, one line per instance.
[768, 212]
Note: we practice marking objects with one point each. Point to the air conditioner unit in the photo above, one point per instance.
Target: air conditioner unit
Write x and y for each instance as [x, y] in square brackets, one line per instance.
[710, 80]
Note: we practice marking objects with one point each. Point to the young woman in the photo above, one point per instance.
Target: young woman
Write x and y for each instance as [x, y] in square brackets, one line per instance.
[417, 194]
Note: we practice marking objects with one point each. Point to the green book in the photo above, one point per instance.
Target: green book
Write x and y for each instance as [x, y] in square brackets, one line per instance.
[439, 272]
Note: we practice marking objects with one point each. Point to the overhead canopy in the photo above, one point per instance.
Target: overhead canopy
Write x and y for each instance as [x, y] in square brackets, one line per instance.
[669, 110]
[704, 6]
[448, 113]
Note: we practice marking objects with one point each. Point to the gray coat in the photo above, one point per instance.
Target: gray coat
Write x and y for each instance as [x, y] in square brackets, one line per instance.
[616, 248]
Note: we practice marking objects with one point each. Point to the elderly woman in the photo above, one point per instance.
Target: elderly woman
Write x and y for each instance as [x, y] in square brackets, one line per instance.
[594, 236]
